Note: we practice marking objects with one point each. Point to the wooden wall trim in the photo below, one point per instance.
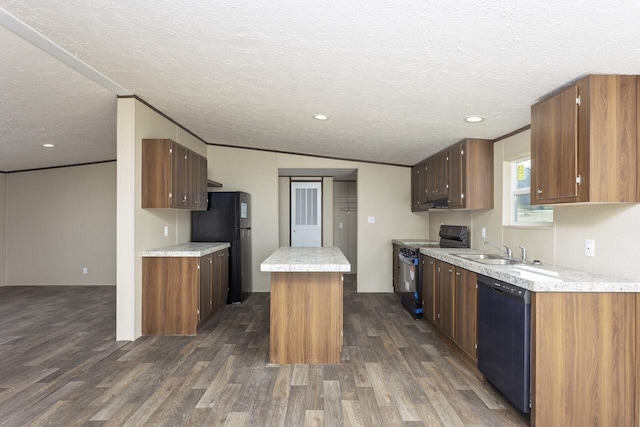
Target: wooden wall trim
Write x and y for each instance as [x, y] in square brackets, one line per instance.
[510, 134]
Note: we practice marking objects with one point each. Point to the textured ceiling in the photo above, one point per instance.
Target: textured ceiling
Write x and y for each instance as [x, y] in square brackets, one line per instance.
[44, 101]
[395, 78]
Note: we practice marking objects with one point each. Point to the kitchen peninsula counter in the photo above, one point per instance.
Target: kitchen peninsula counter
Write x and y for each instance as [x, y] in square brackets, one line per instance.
[189, 249]
[306, 304]
[585, 340]
[536, 278]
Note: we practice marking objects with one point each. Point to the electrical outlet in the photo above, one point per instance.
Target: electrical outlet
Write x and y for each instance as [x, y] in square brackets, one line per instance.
[483, 231]
[166, 231]
[371, 220]
[590, 247]
[85, 270]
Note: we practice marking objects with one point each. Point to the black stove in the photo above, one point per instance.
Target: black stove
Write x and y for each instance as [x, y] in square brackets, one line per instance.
[451, 236]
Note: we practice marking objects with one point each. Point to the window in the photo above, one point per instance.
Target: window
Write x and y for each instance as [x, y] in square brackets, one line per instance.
[521, 211]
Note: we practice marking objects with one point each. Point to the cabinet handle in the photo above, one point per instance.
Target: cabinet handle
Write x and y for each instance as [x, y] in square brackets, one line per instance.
[457, 273]
[450, 271]
[538, 191]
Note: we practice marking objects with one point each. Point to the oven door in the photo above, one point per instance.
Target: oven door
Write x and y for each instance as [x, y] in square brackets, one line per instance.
[408, 274]
[410, 284]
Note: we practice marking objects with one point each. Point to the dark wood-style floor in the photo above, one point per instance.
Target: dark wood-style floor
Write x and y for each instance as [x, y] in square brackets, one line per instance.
[60, 365]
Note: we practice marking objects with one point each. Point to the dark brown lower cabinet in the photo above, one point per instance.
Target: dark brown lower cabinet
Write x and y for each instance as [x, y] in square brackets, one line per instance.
[584, 359]
[450, 301]
[466, 311]
[179, 293]
[396, 268]
[428, 287]
[445, 282]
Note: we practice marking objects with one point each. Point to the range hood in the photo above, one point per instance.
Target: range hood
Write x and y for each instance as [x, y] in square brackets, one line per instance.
[436, 204]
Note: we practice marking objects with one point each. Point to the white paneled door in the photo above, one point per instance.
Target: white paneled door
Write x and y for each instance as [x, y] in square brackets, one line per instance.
[306, 214]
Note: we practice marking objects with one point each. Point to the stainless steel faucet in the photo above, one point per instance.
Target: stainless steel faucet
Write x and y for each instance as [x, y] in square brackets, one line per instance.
[524, 254]
[506, 249]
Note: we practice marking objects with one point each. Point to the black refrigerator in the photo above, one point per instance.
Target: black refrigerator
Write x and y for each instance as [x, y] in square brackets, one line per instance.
[228, 219]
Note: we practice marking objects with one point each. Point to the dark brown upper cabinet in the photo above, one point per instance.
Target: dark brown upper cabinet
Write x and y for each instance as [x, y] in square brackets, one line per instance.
[584, 142]
[172, 176]
[462, 173]
[471, 174]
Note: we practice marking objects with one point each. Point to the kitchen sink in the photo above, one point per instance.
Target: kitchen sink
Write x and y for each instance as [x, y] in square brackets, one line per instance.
[476, 256]
[498, 261]
[488, 259]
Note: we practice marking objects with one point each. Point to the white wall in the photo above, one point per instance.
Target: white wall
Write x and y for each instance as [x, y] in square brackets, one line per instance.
[383, 192]
[615, 227]
[141, 229]
[3, 228]
[59, 221]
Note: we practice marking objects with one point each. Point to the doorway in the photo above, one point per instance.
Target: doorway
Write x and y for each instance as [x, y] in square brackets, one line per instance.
[306, 214]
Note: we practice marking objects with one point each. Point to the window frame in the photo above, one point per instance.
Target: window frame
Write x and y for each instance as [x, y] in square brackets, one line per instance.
[510, 210]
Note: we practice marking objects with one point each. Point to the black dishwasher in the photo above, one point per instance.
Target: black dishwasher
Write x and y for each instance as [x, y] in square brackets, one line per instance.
[504, 335]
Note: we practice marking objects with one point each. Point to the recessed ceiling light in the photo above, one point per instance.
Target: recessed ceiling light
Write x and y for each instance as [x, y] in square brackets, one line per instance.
[474, 119]
[320, 117]
[48, 145]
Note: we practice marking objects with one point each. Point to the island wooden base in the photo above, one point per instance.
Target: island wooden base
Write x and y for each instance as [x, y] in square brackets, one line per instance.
[306, 318]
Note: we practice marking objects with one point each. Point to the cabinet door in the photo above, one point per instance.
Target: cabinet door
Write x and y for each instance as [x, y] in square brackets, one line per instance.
[396, 269]
[156, 173]
[178, 176]
[205, 287]
[440, 174]
[181, 299]
[193, 177]
[415, 188]
[428, 287]
[457, 169]
[202, 184]
[220, 283]
[197, 183]
[224, 277]
[447, 280]
[428, 179]
[554, 148]
[466, 310]
[424, 182]
[215, 284]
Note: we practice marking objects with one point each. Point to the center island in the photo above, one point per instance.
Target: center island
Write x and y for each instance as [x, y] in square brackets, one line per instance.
[306, 305]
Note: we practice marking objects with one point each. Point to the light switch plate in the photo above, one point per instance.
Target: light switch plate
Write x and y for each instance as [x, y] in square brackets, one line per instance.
[371, 219]
[166, 231]
[483, 231]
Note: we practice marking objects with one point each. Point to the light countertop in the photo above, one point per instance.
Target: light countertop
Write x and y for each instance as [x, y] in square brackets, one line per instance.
[306, 260]
[540, 278]
[191, 249]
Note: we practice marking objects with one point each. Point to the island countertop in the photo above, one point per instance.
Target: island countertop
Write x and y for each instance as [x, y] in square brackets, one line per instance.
[289, 259]
[190, 249]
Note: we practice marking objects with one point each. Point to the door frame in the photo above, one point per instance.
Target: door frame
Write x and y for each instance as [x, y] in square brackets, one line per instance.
[321, 181]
